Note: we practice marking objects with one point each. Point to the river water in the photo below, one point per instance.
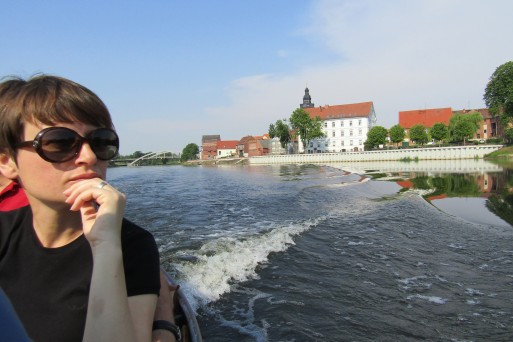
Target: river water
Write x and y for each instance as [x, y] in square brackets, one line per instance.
[334, 253]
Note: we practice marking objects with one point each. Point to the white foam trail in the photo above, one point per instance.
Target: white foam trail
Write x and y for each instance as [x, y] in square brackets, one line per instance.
[431, 299]
[228, 260]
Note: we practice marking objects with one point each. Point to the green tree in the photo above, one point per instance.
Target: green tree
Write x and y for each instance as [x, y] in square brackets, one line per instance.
[397, 134]
[508, 134]
[306, 127]
[498, 94]
[463, 126]
[377, 135]
[462, 131]
[190, 152]
[418, 134]
[439, 131]
[138, 154]
[272, 131]
[282, 131]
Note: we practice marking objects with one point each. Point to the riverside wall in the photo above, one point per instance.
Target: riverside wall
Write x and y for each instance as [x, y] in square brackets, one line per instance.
[430, 153]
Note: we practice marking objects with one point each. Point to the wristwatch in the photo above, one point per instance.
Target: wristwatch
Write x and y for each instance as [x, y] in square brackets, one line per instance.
[166, 325]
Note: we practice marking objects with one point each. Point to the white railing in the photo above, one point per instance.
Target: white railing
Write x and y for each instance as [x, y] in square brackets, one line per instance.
[431, 153]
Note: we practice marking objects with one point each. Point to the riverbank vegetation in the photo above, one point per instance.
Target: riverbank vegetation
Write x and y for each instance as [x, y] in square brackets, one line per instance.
[505, 152]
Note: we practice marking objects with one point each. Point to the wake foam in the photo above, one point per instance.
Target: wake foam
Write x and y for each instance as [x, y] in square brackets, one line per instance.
[228, 260]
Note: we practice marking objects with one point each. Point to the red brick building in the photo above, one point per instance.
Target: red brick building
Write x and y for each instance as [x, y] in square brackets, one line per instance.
[250, 146]
[425, 117]
[209, 146]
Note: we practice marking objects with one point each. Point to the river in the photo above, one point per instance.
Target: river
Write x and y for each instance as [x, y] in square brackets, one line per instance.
[334, 252]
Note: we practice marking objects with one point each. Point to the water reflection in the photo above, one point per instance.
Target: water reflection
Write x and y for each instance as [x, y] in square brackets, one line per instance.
[475, 190]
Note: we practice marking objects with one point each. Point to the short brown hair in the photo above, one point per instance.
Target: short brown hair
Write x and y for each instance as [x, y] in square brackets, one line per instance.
[48, 100]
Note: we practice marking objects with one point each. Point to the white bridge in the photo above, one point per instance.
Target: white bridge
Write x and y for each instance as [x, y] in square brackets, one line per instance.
[153, 155]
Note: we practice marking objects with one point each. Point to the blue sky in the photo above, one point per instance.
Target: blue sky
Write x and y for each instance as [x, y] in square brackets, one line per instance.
[172, 71]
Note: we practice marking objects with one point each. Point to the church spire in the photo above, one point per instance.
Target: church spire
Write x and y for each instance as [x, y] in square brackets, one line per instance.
[307, 100]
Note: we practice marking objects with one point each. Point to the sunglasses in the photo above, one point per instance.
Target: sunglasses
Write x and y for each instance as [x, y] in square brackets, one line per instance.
[61, 144]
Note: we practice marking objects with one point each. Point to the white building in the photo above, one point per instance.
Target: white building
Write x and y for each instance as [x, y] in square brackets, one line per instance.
[226, 148]
[346, 126]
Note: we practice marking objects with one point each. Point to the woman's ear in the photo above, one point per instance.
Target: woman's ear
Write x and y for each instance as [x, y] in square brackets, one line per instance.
[8, 166]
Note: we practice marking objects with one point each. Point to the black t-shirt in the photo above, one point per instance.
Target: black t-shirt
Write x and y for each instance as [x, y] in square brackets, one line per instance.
[49, 287]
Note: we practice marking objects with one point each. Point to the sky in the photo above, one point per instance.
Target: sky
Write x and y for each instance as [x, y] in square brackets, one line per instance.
[172, 71]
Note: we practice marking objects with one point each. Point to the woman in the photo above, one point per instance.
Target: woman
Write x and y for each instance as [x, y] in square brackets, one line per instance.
[70, 257]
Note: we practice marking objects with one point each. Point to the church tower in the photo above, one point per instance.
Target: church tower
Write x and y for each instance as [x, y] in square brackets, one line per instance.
[307, 100]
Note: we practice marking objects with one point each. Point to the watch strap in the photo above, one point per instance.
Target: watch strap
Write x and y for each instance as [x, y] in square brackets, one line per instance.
[166, 325]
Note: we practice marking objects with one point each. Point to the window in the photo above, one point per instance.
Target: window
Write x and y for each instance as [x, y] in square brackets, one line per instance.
[342, 143]
[325, 124]
[360, 142]
[351, 123]
[333, 134]
[351, 142]
[350, 132]
[342, 123]
[311, 144]
[333, 124]
[334, 143]
[342, 133]
[360, 131]
[359, 122]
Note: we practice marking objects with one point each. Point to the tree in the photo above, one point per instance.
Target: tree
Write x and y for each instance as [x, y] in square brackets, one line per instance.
[508, 134]
[189, 152]
[462, 131]
[376, 136]
[306, 127]
[282, 131]
[397, 134]
[138, 154]
[439, 131]
[418, 134]
[498, 94]
[463, 126]
[272, 131]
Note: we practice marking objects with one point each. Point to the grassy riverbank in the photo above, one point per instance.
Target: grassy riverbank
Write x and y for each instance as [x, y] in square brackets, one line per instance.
[505, 152]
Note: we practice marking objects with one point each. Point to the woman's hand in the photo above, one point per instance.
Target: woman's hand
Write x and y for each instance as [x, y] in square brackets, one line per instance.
[102, 209]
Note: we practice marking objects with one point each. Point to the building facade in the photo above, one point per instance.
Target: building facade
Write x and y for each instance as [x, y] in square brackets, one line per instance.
[425, 117]
[490, 127]
[345, 127]
[226, 148]
[250, 146]
[209, 146]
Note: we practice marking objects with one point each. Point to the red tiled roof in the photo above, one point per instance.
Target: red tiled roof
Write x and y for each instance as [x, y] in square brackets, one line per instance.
[227, 144]
[245, 139]
[341, 111]
[426, 117]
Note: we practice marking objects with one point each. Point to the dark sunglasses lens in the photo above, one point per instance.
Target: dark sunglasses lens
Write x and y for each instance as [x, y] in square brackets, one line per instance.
[59, 144]
[104, 143]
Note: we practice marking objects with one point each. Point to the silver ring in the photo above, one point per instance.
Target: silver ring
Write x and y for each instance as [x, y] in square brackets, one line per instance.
[102, 184]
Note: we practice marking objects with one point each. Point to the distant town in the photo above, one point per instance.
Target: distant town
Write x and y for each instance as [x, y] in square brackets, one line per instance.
[346, 127]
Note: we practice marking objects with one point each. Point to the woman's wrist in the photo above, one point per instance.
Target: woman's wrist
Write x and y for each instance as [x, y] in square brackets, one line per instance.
[162, 325]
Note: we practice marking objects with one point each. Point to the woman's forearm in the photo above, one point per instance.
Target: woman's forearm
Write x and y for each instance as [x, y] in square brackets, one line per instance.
[108, 315]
